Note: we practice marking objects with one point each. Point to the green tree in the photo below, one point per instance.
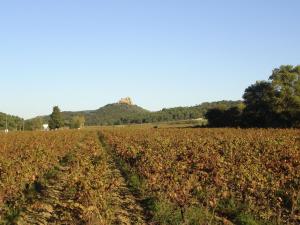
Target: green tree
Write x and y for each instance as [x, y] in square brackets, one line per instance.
[34, 124]
[77, 122]
[215, 117]
[56, 120]
[259, 100]
[222, 117]
[233, 116]
[274, 103]
[286, 83]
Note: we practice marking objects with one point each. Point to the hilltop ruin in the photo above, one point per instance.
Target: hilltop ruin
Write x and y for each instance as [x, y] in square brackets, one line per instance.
[126, 101]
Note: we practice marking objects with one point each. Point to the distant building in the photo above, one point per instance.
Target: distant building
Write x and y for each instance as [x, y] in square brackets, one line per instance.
[45, 127]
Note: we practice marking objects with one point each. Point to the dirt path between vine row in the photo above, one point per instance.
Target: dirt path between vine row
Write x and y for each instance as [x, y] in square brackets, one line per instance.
[130, 210]
[51, 199]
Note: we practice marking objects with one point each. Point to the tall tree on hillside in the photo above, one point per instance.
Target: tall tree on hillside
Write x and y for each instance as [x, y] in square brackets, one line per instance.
[56, 120]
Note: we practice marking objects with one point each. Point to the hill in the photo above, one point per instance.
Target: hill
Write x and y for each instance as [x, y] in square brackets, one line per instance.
[125, 113]
[13, 122]
[108, 115]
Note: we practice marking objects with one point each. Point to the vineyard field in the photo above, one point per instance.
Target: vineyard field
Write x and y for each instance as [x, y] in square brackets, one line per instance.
[61, 177]
[145, 175]
[213, 176]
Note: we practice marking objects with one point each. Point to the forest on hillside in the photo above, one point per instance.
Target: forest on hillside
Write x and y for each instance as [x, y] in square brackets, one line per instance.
[10, 122]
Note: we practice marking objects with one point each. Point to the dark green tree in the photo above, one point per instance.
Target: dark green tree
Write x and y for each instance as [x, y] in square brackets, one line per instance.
[56, 120]
[222, 117]
[215, 117]
[233, 116]
[259, 100]
[274, 103]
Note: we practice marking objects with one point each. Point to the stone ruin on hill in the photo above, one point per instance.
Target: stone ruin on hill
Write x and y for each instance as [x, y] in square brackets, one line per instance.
[126, 101]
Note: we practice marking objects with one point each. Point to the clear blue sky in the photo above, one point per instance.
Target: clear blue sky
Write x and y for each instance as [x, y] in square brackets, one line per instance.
[163, 53]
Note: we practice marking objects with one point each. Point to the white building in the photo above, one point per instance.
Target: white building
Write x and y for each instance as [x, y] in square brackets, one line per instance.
[45, 127]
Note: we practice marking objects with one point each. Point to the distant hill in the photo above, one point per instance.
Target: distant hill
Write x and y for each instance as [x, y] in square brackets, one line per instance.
[13, 122]
[125, 112]
[109, 114]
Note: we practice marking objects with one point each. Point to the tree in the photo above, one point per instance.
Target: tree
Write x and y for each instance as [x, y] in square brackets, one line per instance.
[222, 117]
[233, 116]
[77, 122]
[286, 83]
[56, 120]
[259, 100]
[34, 124]
[274, 103]
[215, 117]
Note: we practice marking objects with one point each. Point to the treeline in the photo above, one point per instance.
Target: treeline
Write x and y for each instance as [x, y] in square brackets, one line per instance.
[175, 114]
[55, 121]
[119, 114]
[10, 122]
[271, 103]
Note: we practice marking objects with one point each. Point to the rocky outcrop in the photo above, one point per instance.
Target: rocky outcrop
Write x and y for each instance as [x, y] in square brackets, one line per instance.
[126, 101]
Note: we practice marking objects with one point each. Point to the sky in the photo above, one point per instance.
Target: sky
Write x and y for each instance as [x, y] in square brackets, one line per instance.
[163, 53]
